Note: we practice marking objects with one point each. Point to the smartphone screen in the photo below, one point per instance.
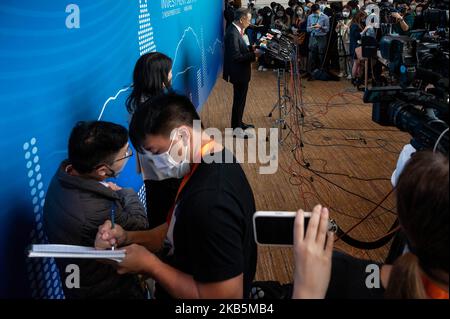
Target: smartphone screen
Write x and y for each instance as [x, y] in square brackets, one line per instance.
[271, 230]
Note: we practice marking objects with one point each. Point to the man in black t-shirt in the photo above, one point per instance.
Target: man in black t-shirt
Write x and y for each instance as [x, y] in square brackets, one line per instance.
[207, 248]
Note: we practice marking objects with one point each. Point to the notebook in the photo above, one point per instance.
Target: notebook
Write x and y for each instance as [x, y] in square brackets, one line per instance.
[71, 251]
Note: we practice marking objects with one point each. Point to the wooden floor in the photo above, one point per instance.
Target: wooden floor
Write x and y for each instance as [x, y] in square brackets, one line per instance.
[340, 141]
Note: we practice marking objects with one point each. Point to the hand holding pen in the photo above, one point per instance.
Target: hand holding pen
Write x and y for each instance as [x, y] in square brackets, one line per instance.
[113, 216]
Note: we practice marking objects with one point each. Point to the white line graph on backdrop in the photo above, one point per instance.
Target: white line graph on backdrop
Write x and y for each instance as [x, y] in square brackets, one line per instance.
[147, 44]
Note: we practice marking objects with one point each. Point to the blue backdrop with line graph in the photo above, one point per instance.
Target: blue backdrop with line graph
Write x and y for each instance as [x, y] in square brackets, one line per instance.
[61, 62]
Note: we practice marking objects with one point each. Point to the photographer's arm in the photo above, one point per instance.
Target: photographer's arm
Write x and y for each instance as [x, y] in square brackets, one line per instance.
[403, 25]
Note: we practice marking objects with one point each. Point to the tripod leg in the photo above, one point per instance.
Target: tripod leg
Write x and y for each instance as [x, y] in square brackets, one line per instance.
[278, 103]
[366, 73]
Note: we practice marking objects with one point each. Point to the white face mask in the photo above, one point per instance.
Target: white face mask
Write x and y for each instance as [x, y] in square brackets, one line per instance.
[168, 166]
[345, 14]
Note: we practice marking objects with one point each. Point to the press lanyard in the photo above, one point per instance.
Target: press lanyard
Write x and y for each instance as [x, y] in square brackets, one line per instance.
[204, 150]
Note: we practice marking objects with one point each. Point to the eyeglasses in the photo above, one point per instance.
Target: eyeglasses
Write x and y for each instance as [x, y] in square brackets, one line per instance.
[128, 154]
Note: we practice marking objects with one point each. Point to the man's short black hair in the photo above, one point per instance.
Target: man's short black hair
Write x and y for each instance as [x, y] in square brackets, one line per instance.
[95, 143]
[315, 7]
[159, 116]
[241, 12]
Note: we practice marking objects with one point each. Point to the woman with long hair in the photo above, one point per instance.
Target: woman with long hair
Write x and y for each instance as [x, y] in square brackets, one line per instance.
[356, 28]
[423, 212]
[152, 76]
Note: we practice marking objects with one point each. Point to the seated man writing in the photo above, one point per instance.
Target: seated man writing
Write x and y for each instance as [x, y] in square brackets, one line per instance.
[79, 200]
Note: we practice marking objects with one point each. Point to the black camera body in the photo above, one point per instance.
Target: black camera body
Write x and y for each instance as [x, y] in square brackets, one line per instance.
[419, 104]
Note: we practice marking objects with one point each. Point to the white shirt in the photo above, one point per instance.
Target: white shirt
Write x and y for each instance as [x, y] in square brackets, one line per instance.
[238, 28]
[244, 36]
[403, 159]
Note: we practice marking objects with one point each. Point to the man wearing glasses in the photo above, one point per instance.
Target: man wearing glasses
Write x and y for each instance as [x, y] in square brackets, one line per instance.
[79, 200]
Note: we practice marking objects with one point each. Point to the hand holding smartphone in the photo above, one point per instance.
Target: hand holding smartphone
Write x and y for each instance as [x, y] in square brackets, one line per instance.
[276, 228]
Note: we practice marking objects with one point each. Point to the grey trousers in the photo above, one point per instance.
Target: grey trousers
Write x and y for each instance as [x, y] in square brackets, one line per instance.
[317, 48]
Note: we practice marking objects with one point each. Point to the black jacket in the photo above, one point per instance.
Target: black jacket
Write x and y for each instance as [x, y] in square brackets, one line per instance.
[237, 57]
[74, 209]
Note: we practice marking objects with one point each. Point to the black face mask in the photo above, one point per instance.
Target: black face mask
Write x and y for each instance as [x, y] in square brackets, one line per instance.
[401, 9]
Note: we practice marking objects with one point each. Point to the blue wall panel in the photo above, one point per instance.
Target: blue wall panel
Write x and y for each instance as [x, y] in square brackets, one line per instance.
[54, 72]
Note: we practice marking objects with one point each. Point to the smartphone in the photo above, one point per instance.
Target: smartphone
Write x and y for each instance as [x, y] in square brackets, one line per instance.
[277, 228]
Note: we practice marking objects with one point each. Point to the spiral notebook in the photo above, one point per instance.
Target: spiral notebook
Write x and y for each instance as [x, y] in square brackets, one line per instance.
[71, 251]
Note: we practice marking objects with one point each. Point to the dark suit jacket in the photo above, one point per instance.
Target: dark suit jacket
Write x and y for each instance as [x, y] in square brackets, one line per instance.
[237, 58]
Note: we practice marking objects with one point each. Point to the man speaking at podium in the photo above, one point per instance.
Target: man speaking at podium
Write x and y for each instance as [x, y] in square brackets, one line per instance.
[238, 58]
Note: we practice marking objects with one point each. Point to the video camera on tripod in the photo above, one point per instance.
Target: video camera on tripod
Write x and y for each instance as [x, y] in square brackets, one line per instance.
[419, 105]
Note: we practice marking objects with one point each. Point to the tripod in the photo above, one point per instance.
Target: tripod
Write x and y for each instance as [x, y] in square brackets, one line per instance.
[282, 103]
[285, 99]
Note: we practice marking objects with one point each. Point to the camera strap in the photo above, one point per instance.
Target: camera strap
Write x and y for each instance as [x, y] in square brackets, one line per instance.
[380, 242]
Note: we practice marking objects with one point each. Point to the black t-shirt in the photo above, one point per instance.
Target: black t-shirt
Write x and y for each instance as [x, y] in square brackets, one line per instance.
[348, 278]
[213, 234]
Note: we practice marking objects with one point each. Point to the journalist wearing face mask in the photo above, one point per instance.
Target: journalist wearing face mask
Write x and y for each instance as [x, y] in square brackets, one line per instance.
[152, 76]
[79, 200]
[404, 20]
[343, 43]
[207, 248]
[419, 21]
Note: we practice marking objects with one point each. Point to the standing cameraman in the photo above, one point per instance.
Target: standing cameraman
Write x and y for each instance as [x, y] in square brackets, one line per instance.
[404, 20]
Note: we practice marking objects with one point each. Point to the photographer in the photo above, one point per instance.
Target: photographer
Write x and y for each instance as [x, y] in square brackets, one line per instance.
[404, 20]
[325, 8]
[419, 21]
[355, 7]
[301, 35]
[421, 273]
[318, 27]
[263, 22]
[252, 32]
[282, 21]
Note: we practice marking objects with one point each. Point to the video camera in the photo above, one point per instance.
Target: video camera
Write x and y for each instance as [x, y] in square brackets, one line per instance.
[419, 104]
[435, 17]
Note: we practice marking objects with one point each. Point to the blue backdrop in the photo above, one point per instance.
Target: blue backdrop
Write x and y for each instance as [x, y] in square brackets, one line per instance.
[61, 62]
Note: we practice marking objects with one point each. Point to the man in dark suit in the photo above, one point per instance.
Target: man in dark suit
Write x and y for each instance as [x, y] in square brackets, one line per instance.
[237, 67]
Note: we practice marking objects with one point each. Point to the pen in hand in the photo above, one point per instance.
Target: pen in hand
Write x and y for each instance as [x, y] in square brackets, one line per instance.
[113, 212]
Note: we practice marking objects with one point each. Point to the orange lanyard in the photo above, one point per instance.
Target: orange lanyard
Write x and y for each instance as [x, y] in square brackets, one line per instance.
[205, 149]
[433, 291]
